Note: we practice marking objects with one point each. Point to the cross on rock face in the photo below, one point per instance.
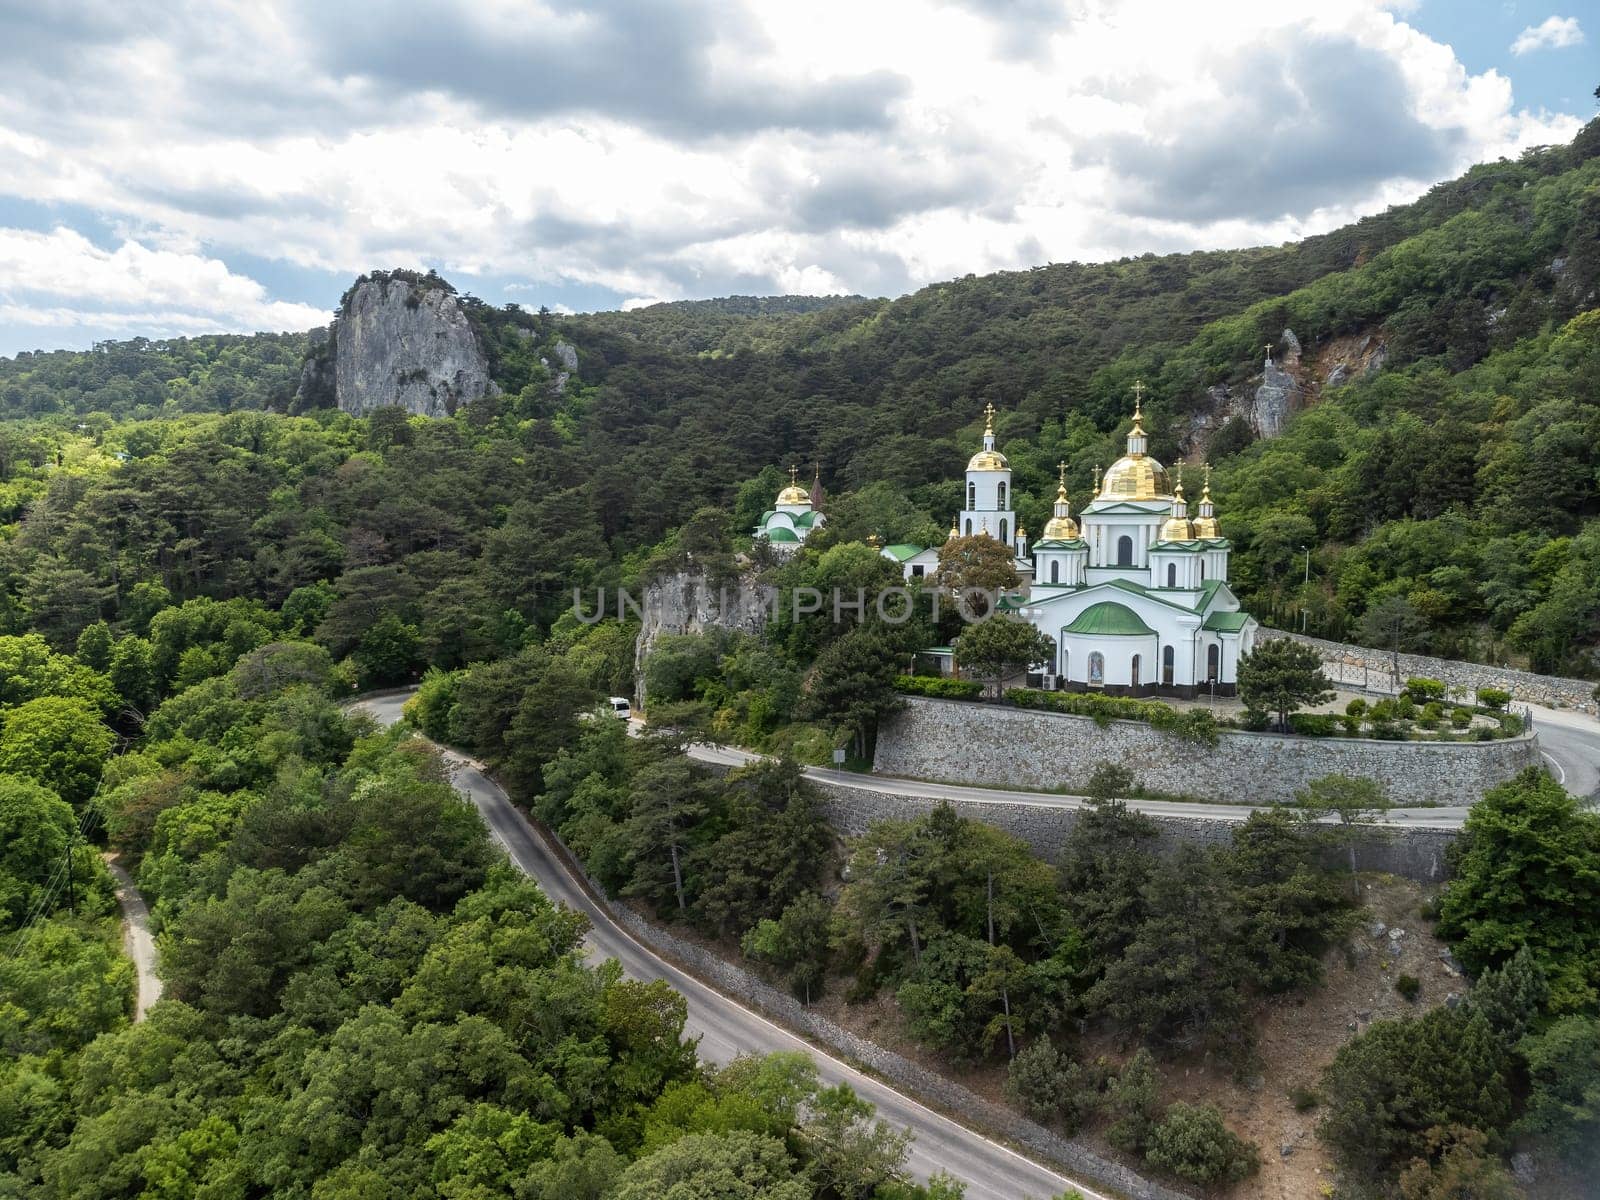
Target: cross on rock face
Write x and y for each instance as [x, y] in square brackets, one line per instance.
[1269, 351]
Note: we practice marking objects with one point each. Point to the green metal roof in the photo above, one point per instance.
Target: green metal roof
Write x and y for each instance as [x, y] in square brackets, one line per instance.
[1179, 547]
[1061, 544]
[1109, 619]
[806, 519]
[779, 534]
[901, 551]
[1225, 622]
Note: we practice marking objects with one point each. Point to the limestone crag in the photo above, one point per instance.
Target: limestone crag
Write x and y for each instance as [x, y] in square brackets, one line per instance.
[1291, 381]
[683, 603]
[406, 342]
[1279, 393]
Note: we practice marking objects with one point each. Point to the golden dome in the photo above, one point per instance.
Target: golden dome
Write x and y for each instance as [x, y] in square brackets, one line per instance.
[1135, 477]
[1177, 529]
[988, 460]
[1061, 526]
[1063, 529]
[794, 493]
[1205, 525]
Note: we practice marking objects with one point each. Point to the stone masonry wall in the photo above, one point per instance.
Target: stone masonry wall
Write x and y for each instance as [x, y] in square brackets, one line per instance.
[995, 745]
[1411, 853]
[1362, 666]
[927, 1086]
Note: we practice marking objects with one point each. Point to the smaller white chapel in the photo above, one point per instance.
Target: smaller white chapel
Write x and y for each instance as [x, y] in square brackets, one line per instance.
[1135, 594]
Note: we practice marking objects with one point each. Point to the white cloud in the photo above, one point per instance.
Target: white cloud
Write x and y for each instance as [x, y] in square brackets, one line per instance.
[941, 137]
[61, 279]
[1553, 33]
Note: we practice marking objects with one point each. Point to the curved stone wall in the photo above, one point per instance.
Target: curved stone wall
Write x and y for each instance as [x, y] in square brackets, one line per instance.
[994, 745]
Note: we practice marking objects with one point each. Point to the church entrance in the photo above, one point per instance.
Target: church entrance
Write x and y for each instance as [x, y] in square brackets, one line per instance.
[1212, 663]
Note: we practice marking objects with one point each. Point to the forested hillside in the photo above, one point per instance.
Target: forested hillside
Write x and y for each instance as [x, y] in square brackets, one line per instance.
[1457, 485]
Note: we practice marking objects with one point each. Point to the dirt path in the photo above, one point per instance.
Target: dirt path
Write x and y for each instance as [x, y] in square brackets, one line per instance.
[136, 939]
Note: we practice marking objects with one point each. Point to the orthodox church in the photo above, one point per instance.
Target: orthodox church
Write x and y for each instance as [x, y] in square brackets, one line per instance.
[1135, 596]
[796, 514]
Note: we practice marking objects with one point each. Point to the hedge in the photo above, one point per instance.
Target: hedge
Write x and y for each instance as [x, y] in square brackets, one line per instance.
[1097, 705]
[1196, 725]
[1314, 724]
[938, 687]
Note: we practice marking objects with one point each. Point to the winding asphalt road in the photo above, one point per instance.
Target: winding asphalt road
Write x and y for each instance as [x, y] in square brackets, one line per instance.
[727, 1028]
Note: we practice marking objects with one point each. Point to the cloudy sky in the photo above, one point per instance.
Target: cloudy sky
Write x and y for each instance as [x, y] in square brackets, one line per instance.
[191, 166]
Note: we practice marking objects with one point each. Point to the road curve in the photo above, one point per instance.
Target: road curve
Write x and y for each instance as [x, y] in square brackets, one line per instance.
[136, 939]
[727, 1029]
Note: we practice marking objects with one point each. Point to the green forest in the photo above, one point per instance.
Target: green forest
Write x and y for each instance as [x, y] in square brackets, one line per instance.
[1460, 481]
[199, 563]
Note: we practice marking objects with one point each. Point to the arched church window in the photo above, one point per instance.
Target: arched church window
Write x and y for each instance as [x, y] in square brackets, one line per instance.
[1213, 661]
[1133, 671]
[1004, 530]
[972, 495]
[1172, 579]
[1002, 496]
[1097, 669]
[1167, 662]
[1055, 571]
[969, 526]
[1124, 551]
[1202, 570]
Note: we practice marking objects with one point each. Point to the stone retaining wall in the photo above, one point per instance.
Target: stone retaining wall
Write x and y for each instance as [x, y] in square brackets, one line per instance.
[999, 746]
[1361, 666]
[1417, 854]
[917, 1081]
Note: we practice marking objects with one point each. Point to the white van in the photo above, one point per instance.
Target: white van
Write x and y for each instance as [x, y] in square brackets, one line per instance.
[620, 707]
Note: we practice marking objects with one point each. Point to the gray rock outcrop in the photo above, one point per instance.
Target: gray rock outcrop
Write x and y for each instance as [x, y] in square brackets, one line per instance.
[406, 342]
[683, 603]
[1279, 393]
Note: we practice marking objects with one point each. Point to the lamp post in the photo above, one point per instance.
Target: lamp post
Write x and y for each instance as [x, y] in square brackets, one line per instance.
[1306, 550]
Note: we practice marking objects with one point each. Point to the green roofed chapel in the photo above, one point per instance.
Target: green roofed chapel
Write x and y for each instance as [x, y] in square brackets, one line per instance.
[1136, 597]
[795, 515]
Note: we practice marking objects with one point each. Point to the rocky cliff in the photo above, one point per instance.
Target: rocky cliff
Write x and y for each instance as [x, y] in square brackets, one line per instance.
[1289, 381]
[684, 603]
[403, 339]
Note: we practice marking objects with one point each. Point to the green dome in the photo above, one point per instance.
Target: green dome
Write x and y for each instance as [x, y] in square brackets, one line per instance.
[1109, 619]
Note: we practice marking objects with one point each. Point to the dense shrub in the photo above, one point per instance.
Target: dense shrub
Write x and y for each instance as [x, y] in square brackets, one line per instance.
[1314, 724]
[1098, 705]
[1408, 986]
[1351, 723]
[1461, 717]
[1193, 1143]
[1049, 1086]
[1422, 690]
[938, 687]
[1496, 698]
[1356, 707]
